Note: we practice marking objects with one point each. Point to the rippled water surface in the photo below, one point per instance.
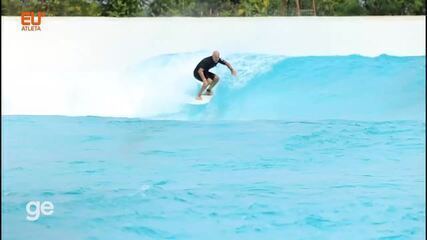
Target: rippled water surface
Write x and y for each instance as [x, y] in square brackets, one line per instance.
[114, 178]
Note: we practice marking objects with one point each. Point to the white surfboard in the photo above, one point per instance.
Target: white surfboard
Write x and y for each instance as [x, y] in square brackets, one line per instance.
[205, 100]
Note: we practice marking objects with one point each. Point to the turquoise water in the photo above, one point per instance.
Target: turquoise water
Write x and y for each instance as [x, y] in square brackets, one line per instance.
[307, 88]
[302, 148]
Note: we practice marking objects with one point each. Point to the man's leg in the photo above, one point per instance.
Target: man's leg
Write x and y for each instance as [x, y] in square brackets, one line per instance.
[204, 86]
[214, 82]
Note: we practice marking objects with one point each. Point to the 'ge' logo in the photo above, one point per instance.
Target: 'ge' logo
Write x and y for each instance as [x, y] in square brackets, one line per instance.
[28, 21]
[34, 208]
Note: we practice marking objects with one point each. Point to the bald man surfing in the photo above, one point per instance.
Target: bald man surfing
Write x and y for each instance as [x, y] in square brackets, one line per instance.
[209, 79]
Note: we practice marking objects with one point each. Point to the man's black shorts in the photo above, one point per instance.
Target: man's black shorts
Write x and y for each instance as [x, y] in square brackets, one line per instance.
[207, 75]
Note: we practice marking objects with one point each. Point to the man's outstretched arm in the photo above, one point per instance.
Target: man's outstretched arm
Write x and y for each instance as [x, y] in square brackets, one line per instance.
[233, 72]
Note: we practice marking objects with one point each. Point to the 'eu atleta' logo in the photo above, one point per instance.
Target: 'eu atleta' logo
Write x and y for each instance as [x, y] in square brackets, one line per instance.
[28, 21]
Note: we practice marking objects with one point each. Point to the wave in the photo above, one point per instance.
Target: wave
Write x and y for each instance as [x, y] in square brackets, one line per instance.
[272, 87]
[268, 87]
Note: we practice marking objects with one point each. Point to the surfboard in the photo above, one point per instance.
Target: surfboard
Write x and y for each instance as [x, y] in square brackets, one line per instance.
[205, 100]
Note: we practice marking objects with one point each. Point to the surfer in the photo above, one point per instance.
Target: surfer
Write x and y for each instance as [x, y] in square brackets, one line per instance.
[209, 79]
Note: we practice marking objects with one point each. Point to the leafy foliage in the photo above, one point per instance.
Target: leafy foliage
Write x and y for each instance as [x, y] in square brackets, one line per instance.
[200, 8]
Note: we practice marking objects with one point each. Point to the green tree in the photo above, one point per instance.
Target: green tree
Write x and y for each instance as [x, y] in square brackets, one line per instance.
[170, 7]
[191, 8]
[394, 7]
[216, 8]
[253, 7]
[52, 7]
[121, 8]
[73, 8]
[129, 8]
[10, 7]
[340, 8]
